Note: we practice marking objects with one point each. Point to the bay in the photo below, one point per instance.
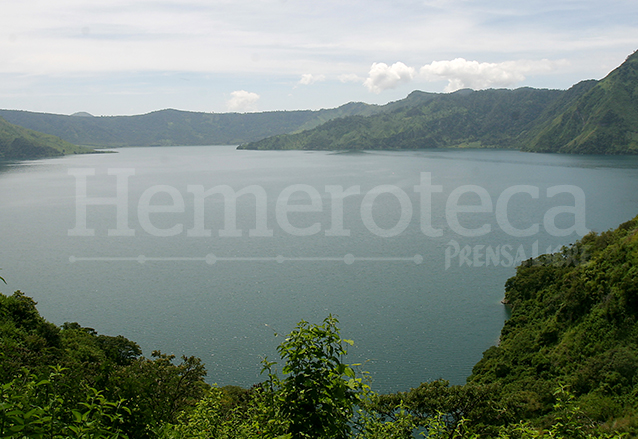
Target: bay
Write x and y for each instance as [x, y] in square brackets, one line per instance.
[420, 299]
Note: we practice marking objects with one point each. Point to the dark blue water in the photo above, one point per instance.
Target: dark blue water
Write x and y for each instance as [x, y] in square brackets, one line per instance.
[415, 276]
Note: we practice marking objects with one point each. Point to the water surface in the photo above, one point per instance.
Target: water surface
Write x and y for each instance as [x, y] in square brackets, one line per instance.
[413, 315]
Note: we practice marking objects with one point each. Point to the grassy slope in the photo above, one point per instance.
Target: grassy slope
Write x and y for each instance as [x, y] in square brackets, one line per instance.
[173, 127]
[489, 118]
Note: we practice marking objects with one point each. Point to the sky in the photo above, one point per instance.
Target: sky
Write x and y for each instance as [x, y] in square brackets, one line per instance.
[121, 57]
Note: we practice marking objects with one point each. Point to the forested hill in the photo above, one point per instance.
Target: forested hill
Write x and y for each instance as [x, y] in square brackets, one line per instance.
[593, 117]
[487, 118]
[574, 323]
[21, 143]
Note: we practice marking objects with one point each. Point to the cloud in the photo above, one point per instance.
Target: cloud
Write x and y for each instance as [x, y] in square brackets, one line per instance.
[309, 78]
[461, 73]
[118, 46]
[242, 100]
[382, 77]
[350, 77]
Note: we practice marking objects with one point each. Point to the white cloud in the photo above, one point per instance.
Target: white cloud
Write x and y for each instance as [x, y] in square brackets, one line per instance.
[350, 77]
[309, 78]
[120, 45]
[382, 76]
[242, 100]
[461, 73]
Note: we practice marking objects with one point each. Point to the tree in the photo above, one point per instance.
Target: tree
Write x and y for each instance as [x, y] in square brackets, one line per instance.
[318, 395]
[157, 390]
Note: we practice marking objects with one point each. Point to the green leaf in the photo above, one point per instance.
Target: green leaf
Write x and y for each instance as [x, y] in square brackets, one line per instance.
[77, 416]
[349, 372]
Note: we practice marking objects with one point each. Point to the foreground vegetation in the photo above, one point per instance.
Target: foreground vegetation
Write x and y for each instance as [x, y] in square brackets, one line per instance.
[566, 367]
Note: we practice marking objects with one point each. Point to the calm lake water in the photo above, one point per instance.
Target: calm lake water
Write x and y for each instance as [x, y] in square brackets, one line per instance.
[409, 249]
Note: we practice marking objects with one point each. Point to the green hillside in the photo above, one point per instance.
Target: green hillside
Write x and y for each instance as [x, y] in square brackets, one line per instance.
[21, 143]
[604, 120]
[488, 118]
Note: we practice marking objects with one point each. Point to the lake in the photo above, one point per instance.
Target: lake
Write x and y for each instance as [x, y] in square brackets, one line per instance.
[210, 251]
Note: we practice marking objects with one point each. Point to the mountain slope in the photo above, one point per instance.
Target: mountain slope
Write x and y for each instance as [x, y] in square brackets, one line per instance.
[604, 120]
[488, 118]
[21, 143]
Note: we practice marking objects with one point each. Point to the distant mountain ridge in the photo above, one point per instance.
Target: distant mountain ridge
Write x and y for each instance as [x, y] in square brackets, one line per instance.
[175, 127]
[593, 117]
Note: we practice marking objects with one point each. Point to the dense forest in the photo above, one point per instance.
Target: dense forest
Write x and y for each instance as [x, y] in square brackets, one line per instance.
[566, 367]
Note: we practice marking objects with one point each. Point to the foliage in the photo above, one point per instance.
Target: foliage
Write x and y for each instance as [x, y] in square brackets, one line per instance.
[316, 398]
[154, 390]
[574, 321]
[34, 408]
[308, 404]
[566, 367]
[569, 422]
[470, 405]
[319, 392]
[212, 418]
